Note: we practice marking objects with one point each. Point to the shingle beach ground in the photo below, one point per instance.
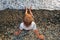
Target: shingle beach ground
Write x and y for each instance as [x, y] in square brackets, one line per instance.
[48, 23]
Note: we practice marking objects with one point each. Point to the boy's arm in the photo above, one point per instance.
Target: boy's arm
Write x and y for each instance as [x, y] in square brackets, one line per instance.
[36, 32]
[26, 11]
[40, 36]
[31, 11]
[17, 32]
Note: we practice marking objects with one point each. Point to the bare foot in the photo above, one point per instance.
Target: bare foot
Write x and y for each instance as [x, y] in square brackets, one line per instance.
[30, 8]
[26, 10]
[31, 11]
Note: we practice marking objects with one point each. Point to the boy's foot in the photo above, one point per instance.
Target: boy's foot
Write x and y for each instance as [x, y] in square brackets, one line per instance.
[30, 9]
[26, 10]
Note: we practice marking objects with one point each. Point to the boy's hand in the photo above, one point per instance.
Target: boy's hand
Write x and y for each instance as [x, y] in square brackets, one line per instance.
[41, 37]
[16, 33]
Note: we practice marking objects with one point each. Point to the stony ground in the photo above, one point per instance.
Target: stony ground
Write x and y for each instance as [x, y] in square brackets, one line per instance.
[48, 23]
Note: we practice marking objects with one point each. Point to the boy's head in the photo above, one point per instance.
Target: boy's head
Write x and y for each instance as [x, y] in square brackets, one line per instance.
[27, 19]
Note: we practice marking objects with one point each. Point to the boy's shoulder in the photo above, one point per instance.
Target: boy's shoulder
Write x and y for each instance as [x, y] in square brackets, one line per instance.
[33, 22]
[21, 23]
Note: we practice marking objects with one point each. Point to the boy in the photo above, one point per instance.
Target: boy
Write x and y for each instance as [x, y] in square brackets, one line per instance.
[29, 24]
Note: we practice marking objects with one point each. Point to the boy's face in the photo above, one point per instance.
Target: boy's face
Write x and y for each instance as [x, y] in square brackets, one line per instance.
[28, 18]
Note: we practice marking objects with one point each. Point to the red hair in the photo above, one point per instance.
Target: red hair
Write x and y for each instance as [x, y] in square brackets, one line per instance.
[27, 19]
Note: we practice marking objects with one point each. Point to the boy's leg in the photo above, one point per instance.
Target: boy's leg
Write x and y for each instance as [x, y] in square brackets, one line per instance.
[24, 32]
[17, 37]
[26, 10]
[30, 11]
[20, 37]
